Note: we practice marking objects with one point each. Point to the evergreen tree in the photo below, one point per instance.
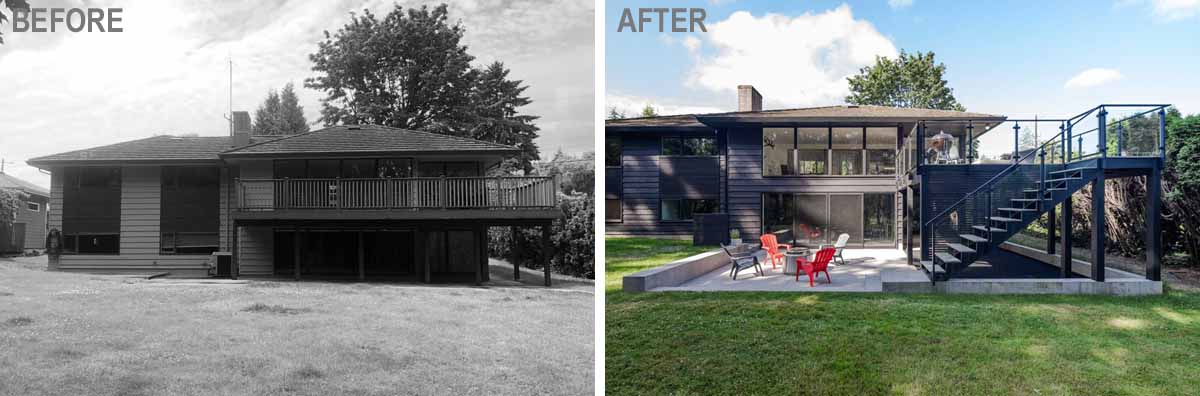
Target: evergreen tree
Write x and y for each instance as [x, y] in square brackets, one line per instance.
[496, 100]
[280, 114]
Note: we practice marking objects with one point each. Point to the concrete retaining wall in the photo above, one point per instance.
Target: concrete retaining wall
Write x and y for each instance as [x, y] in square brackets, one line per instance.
[675, 273]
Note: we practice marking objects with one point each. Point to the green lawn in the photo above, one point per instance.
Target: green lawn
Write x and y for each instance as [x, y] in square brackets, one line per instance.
[870, 344]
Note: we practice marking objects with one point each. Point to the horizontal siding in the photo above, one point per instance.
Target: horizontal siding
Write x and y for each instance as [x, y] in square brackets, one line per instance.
[35, 223]
[141, 192]
[746, 183]
[256, 251]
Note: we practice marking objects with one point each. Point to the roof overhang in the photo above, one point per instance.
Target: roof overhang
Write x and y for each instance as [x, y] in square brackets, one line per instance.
[47, 164]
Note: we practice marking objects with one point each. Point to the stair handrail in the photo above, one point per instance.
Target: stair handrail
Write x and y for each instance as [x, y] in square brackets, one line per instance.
[990, 183]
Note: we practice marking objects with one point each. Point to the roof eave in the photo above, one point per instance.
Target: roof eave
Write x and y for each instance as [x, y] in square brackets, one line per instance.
[373, 153]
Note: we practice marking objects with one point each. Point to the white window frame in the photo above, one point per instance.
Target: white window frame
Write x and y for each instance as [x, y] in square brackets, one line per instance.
[33, 206]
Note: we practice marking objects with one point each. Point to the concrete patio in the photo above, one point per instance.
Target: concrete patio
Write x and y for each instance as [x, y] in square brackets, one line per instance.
[864, 271]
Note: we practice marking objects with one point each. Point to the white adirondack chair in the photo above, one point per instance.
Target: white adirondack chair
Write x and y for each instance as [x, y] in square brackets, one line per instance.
[841, 244]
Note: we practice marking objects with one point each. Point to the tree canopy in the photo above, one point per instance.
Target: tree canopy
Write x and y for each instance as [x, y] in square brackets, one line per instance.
[280, 114]
[912, 80]
[649, 111]
[409, 69]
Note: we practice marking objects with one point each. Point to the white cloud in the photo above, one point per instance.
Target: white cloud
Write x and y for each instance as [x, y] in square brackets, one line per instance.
[793, 61]
[632, 106]
[1176, 9]
[898, 4]
[166, 73]
[1093, 77]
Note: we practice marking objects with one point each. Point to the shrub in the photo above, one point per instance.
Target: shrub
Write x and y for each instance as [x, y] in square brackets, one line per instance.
[572, 240]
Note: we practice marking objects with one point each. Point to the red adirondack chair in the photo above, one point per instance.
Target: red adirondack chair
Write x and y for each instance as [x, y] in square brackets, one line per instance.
[819, 264]
[774, 249]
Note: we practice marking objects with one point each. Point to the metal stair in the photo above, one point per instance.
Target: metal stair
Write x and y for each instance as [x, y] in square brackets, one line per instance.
[1024, 208]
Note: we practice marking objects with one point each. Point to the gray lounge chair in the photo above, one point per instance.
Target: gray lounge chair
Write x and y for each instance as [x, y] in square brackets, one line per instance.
[739, 262]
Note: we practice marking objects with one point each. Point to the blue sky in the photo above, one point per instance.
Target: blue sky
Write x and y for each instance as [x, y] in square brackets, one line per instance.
[1011, 58]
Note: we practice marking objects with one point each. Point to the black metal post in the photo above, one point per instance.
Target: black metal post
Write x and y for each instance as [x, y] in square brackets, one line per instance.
[1016, 142]
[1051, 226]
[970, 142]
[1064, 258]
[1102, 134]
[1162, 134]
[1154, 225]
[1098, 226]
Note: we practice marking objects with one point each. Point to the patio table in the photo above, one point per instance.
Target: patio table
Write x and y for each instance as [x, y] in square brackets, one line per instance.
[789, 258]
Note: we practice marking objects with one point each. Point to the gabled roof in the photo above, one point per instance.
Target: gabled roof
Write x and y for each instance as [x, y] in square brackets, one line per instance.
[367, 139]
[11, 182]
[843, 113]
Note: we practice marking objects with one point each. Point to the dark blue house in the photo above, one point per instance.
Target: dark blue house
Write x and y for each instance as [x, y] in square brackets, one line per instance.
[950, 198]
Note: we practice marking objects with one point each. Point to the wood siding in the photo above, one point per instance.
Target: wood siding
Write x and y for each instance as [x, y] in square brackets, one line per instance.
[641, 184]
[141, 192]
[35, 224]
[256, 251]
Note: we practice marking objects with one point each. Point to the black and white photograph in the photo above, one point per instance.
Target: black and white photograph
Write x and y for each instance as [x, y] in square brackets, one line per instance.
[297, 197]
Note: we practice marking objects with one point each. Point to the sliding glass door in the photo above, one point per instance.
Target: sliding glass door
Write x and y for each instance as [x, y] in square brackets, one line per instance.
[818, 219]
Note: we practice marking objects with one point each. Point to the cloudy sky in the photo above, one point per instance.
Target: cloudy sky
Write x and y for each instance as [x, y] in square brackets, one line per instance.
[167, 72]
[1019, 58]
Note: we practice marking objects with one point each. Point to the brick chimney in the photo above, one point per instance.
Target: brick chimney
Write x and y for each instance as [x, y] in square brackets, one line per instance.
[749, 99]
[241, 128]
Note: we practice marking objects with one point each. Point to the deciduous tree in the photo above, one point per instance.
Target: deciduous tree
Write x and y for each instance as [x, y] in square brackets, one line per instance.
[912, 80]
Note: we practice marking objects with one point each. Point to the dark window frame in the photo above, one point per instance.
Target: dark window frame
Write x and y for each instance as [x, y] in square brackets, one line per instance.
[684, 148]
[620, 211]
[829, 237]
[620, 147]
[690, 209]
[171, 183]
[794, 156]
[74, 181]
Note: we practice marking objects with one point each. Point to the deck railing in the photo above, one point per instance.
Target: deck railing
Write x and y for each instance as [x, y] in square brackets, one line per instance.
[398, 193]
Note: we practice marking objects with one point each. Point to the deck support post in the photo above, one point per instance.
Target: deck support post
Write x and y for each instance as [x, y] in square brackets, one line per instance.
[905, 226]
[234, 266]
[546, 253]
[422, 256]
[481, 251]
[1064, 259]
[1051, 223]
[512, 253]
[296, 247]
[1154, 225]
[361, 260]
[1098, 226]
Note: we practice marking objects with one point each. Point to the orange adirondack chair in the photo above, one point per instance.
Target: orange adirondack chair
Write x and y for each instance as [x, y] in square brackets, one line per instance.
[774, 249]
[819, 264]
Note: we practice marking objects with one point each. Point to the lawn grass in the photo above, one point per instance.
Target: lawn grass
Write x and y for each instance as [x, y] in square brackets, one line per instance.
[80, 334]
[690, 343]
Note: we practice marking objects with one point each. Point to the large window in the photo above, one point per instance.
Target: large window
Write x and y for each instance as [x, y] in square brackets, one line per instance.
[363, 168]
[812, 145]
[778, 146]
[684, 209]
[846, 158]
[838, 151]
[612, 151]
[189, 218]
[879, 219]
[612, 210]
[819, 219]
[881, 151]
[689, 146]
[91, 210]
